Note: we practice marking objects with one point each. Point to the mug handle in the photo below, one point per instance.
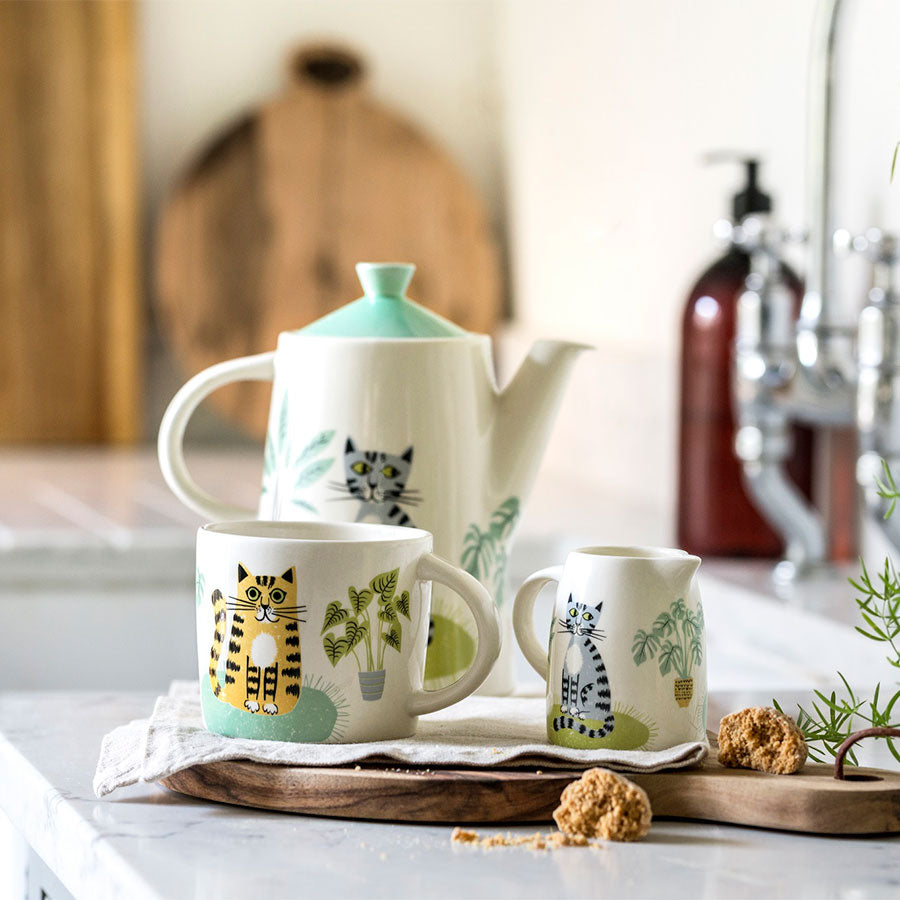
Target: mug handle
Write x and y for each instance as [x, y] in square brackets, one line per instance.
[487, 621]
[523, 617]
[170, 444]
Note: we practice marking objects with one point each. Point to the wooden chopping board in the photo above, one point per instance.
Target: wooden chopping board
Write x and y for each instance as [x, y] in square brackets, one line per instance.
[262, 232]
[70, 308]
[812, 801]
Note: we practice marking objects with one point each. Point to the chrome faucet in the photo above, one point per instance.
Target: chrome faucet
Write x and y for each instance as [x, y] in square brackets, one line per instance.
[809, 370]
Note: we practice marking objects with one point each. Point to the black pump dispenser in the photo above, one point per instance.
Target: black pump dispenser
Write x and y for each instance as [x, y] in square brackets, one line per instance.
[751, 199]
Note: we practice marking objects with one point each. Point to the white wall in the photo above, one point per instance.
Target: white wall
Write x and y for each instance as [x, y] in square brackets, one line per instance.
[584, 124]
[609, 108]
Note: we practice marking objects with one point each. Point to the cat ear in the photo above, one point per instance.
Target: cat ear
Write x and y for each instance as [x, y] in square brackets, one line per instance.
[408, 455]
[289, 575]
[242, 573]
[348, 447]
[571, 599]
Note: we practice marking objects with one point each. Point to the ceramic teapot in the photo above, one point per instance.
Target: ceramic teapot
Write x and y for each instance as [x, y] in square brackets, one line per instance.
[383, 411]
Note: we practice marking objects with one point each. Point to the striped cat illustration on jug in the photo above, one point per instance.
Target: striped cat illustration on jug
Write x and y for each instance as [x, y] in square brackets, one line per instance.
[584, 691]
[262, 666]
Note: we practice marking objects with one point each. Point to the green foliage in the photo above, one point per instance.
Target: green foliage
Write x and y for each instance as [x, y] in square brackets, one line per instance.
[334, 613]
[484, 553]
[385, 584]
[334, 648]
[315, 446]
[359, 600]
[675, 641]
[646, 643]
[312, 473]
[279, 458]
[887, 489]
[478, 552]
[363, 631]
[832, 719]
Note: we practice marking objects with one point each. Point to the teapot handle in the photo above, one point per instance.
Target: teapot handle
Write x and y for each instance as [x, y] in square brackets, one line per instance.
[170, 445]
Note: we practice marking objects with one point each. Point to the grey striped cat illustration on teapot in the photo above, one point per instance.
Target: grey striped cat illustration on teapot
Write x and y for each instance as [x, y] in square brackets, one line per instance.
[378, 481]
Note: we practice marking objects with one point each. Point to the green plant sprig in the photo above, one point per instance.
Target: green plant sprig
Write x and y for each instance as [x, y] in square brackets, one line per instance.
[833, 719]
[887, 488]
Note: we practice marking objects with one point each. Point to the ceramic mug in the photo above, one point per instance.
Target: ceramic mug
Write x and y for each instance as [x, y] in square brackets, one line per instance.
[626, 667]
[316, 632]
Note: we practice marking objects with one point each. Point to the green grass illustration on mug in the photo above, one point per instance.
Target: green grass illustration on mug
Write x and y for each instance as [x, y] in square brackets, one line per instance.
[677, 636]
[368, 629]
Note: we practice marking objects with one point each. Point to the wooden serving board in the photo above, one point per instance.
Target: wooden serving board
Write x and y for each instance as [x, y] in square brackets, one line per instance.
[868, 802]
[262, 232]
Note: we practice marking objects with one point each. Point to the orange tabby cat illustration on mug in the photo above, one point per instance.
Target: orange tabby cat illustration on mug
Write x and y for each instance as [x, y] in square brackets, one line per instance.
[262, 667]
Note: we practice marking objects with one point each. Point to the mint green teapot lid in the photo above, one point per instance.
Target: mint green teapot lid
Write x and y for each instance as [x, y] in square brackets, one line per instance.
[384, 311]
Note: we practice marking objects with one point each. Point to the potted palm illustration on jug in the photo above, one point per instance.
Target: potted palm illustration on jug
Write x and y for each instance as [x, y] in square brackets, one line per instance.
[676, 642]
[369, 627]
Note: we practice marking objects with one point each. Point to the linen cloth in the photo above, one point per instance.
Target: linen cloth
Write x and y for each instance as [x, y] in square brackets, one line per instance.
[478, 731]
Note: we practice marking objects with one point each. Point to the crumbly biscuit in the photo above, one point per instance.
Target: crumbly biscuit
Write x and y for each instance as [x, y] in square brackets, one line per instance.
[605, 805]
[762, 738]
[536, 841]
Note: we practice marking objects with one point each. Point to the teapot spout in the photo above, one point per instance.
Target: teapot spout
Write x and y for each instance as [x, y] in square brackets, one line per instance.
[527, 409]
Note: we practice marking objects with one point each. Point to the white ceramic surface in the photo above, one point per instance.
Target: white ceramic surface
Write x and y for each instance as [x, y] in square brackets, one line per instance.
[626, 666]
[468, 451]
[348, 604]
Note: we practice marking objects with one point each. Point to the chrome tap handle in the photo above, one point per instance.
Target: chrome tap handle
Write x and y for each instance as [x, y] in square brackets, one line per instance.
[878, 367]
[764, 370]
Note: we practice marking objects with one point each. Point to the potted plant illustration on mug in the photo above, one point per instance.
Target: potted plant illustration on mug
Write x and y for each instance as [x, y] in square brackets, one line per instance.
[677, 637]
[369, 627]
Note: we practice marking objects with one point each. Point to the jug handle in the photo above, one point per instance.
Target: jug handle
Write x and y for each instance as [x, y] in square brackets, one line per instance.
[170, 444]
[523, 617]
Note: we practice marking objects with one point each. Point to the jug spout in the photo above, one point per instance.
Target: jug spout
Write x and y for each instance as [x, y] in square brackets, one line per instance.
[527, 408]
[685, 568]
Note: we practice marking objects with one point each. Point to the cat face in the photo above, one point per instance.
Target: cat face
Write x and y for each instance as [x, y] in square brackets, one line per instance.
[376, 477]
[581, 618]
[269, 598]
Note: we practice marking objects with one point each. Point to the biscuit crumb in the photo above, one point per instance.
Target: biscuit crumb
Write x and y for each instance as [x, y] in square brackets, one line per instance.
[382, 856]
[536, 841]
[762, 738]
[357, 768]
[604, 805]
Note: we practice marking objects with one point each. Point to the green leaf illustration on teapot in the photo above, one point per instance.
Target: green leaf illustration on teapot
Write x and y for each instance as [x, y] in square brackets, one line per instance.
[280, 460]
[484, 553]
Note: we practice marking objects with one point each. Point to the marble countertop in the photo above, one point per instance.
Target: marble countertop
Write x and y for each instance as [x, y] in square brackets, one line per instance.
[146, 842]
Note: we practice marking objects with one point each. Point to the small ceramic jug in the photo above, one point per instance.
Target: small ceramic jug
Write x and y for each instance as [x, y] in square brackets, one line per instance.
[626, 667]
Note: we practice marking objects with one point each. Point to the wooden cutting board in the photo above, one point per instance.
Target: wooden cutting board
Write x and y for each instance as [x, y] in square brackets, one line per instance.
[70, 308]
[262, 232]
[812, 801]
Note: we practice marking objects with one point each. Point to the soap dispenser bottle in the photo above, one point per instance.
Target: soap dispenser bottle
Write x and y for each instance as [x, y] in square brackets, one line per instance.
[715, 515]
